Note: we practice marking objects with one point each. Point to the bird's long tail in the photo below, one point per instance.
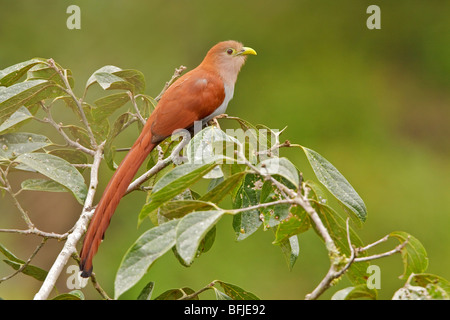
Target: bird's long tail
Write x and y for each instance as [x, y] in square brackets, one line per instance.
[110, 199]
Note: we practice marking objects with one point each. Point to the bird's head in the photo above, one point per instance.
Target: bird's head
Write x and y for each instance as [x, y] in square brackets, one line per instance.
[227, 58]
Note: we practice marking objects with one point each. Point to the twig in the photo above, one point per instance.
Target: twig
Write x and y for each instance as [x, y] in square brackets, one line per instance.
[37, 232]
[176, 75]
[49, 119]
[69, 91]
[23, 266]
[195, 294]
[384, 254]
[161, 164]
[138, 114]
[8, 188]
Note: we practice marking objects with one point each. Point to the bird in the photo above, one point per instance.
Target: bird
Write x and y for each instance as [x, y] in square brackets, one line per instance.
[199, 95]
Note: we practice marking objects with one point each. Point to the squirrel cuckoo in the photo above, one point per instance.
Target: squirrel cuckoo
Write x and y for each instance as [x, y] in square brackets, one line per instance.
[199, 95]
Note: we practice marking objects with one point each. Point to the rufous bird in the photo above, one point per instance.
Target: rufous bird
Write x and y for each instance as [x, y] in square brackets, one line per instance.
[200, 95]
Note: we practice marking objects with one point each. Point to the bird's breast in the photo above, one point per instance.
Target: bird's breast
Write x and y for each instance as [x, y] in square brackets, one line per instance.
[229, 92]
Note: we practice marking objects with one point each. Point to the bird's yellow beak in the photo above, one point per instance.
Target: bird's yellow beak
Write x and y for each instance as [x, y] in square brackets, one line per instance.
[247, 51]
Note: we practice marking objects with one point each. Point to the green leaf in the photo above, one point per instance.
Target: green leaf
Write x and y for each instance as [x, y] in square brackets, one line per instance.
[79, 134]
[179, 208]
[29, 270]
[236, 293]
[414, 255]
[290, 249]
[336, 226]
[72, 295]
[109, 149]
[211, 144]
[42, 185]
[146, 293]
[15, 144]
[43, 71]
[141, 255]
[106, 69]
[19, 116]
[9, 254]
[106, 106]
[58, 170]
[282, 167]
[135, 77]
[25, 93]
[109, 81]
[173, 183]
[437, 287]
[192, 229]
[220, 295]
[216, 194]
[13, 73]
[336, 183]
[248, 194]
[70, 155]
[358, 292]
[289, 227]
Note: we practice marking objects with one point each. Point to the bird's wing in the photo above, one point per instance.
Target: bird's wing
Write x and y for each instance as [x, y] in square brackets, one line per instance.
[191, 98]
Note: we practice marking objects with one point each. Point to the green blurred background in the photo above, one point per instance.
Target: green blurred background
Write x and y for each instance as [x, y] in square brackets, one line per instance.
[376, 103]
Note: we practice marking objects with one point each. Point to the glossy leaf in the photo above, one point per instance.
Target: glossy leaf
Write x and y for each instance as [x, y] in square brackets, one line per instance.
[414, 255]
[13, 73]
[248, 194]
[179, 208]
[29, 270]
[15, 144]
[58, 170]
[291, 250]
[336, 183]
[236, 293]
[72, 295]
[106, 106]
[282, 167]
[141, 255]
[357, 292]
[146, 293]
[336, 226]
[192, 229]
[25, 93]
[42, 185]
[172, 184]
[17, 117]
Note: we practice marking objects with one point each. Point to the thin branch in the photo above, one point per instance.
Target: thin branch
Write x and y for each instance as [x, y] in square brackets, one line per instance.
[37, 232]
[384, 254]
[49, 119]
[23, 266]
[195, 294]
[259, 206]
[161, 164]
[77, 101]
[8, 188]
[176, 75]
[138, 114]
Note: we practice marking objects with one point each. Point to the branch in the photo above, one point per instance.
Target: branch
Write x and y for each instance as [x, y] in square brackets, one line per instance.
[49, 119]
[69, 91]
[7, 187]
[161, 164]
[22, 267]
[79, 229]
[175, 76]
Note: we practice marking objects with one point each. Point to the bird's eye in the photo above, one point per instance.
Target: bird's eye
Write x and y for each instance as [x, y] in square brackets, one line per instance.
[230, 51]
